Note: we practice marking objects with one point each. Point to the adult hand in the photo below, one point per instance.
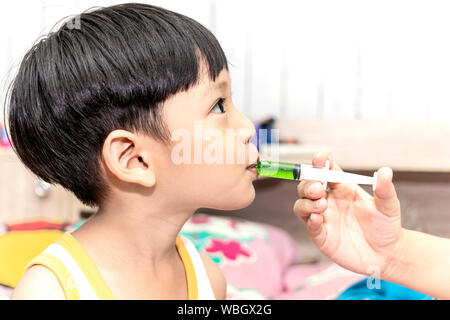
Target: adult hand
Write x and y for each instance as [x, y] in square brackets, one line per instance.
[358, 231]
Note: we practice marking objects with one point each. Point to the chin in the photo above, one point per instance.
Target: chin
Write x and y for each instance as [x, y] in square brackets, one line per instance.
[250, 198]
[241, 201]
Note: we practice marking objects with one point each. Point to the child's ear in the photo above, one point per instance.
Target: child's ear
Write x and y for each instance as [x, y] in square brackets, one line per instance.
[127, 159]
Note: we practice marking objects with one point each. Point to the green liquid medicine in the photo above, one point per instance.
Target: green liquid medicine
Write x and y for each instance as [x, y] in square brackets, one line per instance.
[293, 171]
[280, 170]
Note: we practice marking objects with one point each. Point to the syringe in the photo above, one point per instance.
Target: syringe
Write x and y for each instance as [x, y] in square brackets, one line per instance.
[297, 171]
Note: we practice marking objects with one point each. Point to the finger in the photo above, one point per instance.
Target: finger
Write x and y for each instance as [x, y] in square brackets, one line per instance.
[304, 207]
[314, 222]
[319, 161]
[316, 230]
[310, 189]
[385, 196]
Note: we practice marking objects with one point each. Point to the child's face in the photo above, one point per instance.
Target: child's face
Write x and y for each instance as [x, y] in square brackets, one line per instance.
[206, 165]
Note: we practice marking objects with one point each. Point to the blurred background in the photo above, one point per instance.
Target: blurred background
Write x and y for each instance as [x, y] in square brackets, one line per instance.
[321, 59]
[365, 81]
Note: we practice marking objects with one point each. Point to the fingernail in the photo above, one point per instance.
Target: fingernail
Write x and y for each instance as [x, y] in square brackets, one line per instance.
[317, 204]
[320, 203]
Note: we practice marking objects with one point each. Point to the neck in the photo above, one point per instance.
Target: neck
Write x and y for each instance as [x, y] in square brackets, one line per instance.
[134, 234]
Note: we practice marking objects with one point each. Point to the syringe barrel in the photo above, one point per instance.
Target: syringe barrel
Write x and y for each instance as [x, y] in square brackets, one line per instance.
[296, 171]
[281, 170]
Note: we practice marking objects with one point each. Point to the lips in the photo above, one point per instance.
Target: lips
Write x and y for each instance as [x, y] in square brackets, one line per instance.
[253, 165]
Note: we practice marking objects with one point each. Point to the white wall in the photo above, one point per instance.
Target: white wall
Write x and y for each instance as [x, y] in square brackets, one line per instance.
[334, 59]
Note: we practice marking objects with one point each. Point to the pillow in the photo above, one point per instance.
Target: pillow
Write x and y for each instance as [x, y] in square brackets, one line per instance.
[322, 281]
[22, 241]
[253, 256]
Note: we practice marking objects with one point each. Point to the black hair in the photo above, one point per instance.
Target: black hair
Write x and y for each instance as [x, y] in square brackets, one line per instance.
[111, 68]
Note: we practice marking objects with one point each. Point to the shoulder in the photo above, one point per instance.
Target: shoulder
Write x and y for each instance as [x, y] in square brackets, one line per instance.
[38, 283]
[216, 277]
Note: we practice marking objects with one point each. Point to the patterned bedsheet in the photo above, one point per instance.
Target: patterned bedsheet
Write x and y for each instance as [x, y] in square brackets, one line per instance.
[259, 261]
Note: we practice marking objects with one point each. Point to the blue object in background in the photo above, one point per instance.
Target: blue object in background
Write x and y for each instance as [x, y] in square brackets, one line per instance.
[4, 138]
[268, 126]
[255, 139]
[387, 291]
[266, 137]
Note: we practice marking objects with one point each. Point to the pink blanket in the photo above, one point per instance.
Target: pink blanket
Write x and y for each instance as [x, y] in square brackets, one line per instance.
[259, 261]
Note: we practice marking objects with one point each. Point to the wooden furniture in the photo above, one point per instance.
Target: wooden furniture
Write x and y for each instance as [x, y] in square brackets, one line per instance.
[410, 145]
[20, 196]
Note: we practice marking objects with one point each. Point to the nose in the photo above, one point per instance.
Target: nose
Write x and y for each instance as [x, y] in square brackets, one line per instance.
[246, 128]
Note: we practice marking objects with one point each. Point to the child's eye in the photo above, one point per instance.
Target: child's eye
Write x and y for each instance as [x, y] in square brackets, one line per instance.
[218, 107]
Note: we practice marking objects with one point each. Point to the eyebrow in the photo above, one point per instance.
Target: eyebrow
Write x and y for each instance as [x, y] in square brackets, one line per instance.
[217, 86]
[221, 85]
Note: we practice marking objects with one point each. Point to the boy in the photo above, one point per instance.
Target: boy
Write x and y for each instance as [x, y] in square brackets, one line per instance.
[99, 109]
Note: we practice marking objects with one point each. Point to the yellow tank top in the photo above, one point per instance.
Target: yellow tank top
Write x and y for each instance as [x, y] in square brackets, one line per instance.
[80, 278]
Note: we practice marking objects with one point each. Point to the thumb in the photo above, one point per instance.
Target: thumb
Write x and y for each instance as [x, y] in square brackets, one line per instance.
[385, 197]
